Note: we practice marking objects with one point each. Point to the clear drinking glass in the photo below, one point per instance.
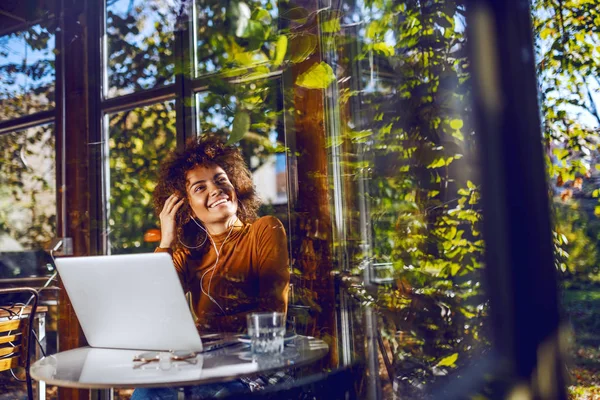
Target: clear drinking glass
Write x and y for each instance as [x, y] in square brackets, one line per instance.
[266, 331]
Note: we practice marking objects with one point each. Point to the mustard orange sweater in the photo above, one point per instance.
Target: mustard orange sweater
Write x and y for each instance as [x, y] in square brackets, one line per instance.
[251, 275]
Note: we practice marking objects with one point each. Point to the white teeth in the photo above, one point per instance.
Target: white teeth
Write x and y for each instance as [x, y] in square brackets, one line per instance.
[217, 203]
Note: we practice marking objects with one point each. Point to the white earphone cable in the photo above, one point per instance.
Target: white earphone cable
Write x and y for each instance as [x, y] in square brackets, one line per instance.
[214, 267]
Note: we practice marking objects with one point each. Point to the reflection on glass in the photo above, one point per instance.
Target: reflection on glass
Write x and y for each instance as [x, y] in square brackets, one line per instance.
[139, 140]
[240, 35]
[400, 141]
[27, 189]
[249, 115]
[140, 44]
[27, 72]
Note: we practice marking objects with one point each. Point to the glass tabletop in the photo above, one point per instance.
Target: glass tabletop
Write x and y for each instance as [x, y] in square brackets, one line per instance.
[97, 368]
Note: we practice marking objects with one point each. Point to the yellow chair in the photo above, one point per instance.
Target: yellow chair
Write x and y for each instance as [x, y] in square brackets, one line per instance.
[16, 334]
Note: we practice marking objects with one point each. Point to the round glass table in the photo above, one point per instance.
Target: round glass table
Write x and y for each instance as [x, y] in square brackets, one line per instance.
[98, 368]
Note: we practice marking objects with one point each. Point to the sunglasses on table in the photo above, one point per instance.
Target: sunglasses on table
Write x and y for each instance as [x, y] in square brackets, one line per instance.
[155, 356]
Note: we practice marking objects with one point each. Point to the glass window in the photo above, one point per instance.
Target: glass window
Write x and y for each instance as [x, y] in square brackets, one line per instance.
[27, 197]
[27, 71]
[404, 181]
[139, 140]
[140, 44]
[237, 36]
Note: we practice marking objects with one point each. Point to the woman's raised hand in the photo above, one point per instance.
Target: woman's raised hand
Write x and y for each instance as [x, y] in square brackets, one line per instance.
[168, 227]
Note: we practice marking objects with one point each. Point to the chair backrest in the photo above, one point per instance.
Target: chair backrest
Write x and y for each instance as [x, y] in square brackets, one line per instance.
[11, 341]
[16, 333]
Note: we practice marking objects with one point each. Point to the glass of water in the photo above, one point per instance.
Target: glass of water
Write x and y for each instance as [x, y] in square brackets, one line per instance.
[266, 331]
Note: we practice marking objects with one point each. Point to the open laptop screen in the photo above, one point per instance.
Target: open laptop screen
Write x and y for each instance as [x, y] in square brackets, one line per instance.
[129, 302]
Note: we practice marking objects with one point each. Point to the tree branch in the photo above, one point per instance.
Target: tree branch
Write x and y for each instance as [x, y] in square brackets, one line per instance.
[593, 108]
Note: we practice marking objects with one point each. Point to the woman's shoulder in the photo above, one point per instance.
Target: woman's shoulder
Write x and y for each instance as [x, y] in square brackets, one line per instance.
[266, 224]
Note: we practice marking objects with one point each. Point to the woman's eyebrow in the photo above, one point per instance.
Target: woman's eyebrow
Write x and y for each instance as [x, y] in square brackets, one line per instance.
[217, 175]
[195, 183]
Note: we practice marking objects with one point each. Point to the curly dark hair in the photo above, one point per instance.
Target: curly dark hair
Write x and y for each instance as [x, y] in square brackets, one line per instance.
[205, 151]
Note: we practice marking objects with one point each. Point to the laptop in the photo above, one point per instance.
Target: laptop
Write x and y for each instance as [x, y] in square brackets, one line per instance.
[131, 302]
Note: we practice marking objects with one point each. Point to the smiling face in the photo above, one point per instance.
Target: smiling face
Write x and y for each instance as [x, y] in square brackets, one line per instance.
[211, 197]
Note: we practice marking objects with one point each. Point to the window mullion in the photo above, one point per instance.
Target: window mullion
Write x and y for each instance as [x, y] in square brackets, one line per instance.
[184, 96]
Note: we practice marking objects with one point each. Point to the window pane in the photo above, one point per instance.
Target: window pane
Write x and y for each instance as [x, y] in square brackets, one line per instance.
[239, 35]
[405, 185]
[262, 144]
[27, 71]
[139, 140]
[140, 38]
[27, 193]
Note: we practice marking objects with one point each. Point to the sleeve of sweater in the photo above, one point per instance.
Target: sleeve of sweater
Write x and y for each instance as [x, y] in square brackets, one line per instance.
[179, 261]
[273, 266]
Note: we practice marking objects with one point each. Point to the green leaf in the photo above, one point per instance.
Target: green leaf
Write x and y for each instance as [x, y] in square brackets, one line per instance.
[546, 32]
[458, 135]
[319, 76]
[439, 162]
[301, 47]
[280, 50]
[471, 185]
[374, 29]
[456, 124]
[384, 48]
[454, 268]
[331, 24]
[241, 124]
[251, 102]
[560, 153]
[261, 15]
[297, 14]
[448, 361]
[467, 313]
[254, 30]
[357, 135]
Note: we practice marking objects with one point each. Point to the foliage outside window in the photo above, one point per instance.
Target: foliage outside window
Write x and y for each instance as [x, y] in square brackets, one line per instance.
[27, 164]
[27, 189]
[568, 66]
[140, 40]
[27, 63]
[234, 37]
[139, 140]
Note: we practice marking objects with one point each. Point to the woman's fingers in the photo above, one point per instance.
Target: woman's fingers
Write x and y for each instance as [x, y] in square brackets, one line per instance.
[167, 203]
[168, 226]
[177, 205]
[170, 204]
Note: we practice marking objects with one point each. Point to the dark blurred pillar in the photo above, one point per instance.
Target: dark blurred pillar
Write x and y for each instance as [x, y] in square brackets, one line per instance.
[519, 251]
[77, 114]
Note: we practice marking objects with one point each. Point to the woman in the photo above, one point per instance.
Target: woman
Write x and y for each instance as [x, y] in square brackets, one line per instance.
[231, 262]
